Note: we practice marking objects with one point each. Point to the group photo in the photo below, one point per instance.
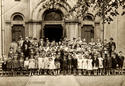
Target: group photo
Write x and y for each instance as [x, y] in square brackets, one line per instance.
[62, 43]
[43, 57]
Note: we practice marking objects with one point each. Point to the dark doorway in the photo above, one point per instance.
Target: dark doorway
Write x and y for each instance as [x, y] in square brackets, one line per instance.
[53, 32]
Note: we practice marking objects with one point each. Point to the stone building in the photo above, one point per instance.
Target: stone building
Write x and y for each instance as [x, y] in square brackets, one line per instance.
[33, 18]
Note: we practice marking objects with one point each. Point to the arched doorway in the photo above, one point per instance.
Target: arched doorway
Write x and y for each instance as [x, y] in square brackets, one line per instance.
[53, 28]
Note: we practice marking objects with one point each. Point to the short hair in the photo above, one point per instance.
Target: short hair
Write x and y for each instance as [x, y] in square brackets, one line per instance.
[111, 38]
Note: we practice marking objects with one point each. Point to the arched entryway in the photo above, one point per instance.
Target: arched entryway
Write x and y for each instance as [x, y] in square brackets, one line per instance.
[53, 27]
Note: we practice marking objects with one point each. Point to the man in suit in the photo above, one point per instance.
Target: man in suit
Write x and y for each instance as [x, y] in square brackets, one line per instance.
[111, 46]
[25, 47]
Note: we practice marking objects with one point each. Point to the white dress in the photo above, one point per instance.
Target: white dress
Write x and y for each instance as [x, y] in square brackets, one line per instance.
[80, 63]
[41, 63]
[100, 62]
[89, 64]
[52, 63]
[31, 63]
[46, 62]
[85, 64]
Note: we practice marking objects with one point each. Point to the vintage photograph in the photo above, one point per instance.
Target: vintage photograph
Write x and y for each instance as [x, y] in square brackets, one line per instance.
[62, 42]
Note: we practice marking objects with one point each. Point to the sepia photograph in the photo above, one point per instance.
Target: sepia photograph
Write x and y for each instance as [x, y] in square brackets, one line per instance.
[62, 42]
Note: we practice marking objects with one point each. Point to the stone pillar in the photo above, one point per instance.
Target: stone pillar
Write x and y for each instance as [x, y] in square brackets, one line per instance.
[0, 30]
[72, 29]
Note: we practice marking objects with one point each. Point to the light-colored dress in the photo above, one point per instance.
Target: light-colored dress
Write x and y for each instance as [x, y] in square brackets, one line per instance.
[80, 63]
[89, 64]
[85, 63]
[26, 63]
[31, 63]
[41, 63]
[46, 62]
[100, 62]
[52, 63]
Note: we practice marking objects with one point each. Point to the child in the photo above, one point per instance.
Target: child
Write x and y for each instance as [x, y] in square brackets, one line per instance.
[15, 65]
[80, 62]
[120, 62]
[46, 63]
[4, 67]
[52, 65]
[100, 64]
[40, 64]
[57, 63]
[69, 61]
[85, 64]
[26, 64]
[89, 65]
[74, 64]
[95, 64]
[114, 63]
[21, 62]
[31, 64]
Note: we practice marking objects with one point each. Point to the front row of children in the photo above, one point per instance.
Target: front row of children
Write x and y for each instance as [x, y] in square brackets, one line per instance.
[78, 63]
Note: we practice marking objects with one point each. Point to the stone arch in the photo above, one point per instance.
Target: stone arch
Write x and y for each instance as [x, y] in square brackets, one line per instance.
[89, 17]
[19, 15]
[39, 10]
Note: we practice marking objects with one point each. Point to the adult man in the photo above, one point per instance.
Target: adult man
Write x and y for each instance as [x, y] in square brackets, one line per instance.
[25, 47]
[111, 46]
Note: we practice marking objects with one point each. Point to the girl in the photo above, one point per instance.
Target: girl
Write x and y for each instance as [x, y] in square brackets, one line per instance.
[40, 64]
[26, 64]
[85, 64]
[57, 63]
[52, 65]
[31, 64]
[46, 63]
[100, 64]
[80, 62]
[89, 65]
[15, 65]
[21, 62]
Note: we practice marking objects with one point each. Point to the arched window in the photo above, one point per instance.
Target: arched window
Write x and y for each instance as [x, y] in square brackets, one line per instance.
[17, 18]
[53, 15]
[18, 29]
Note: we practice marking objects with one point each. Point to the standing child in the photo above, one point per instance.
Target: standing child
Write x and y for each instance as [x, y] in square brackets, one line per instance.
[57, 63]
[100, 64]
[21, 62]
[15, 65]
[31, 64]
[80, 62]
[120, 62]
[95, 64]
[52, 65]
[26, 65]
[46, 63]
[89, 65]
[85, 64]
[40, 64]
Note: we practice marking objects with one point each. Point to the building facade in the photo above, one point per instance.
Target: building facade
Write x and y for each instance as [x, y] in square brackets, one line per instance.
[41, 19]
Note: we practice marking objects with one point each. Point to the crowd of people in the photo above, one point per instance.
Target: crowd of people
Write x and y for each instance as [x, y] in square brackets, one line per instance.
[42, 57]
